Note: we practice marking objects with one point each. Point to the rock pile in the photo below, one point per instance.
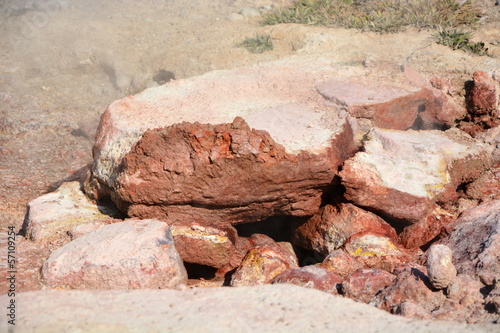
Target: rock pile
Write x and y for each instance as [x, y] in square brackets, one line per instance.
[382, 195]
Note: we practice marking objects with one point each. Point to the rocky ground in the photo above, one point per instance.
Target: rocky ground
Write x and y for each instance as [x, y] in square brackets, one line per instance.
[63, 62]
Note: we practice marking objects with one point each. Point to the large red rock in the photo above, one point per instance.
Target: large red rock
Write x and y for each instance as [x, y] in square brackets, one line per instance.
[332, 225]
[311, 276]
[234, 146]
[475, 242]
[204, 244]
[402, 174]
[261, 265]
[487, 186]
[133, 254]
[364, 284]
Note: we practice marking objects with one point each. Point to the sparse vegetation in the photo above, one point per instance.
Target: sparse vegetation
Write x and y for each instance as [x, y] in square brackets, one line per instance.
[377, 15]
[259, 44]
[457, 39]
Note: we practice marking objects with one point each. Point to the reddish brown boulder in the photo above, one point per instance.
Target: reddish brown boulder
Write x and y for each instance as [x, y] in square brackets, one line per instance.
[226, 172]
[242, 246]
[204, 244]
[261, 265]
[364, 284]
[311, 277]
[427, 229]
[341, 263]
[486, 187]
[193, 157]
[402, 174]
[376, 251]
[475, 242]
[332, 225]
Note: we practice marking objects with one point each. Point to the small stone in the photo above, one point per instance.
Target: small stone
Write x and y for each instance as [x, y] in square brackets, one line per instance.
[235, 17]
[311, 277]
[250, 12]
[364, 284]
[341, 263]
[440, 268]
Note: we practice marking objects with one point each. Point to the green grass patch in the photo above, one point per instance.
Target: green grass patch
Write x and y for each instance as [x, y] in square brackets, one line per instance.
[378, 16]
[259, 44]
[457, 39]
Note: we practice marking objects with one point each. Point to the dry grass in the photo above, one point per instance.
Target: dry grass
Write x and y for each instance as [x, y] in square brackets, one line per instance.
[378, 16]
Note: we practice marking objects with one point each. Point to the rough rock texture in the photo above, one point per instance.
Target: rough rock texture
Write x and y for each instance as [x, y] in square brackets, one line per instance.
[364, 284]
[127, 255]
[411, 284]
[392, 107]
[261, 264]
[66, 210]
[311, 277]
[440, 269]
[475, 242]
[487, 186]
[376, 251]
[482, 104]
[341, 263]
[401, 174]
[205, 245]
[270, 308]
[172, 163]
[332, 225]
[427, 229]
[493, 298]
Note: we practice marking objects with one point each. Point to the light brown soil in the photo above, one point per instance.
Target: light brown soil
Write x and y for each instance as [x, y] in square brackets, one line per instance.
[62, 64]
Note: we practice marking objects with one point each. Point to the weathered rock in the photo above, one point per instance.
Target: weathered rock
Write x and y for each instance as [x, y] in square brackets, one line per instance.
[441, 271]
[411, 284]
[376, 251]
[482, 105]
[493, 298]
[311, 276]
[393, 107]
[331, 226]
[54, 215]
[126, 255]
[475, 242]
[341, 263]
[261, 264]
[427, 229]
[402, 174]
[364, 284]
[486, 187]
[172, 163]
[412, 310]
[242, 246]
[483, 97]
[204, 244]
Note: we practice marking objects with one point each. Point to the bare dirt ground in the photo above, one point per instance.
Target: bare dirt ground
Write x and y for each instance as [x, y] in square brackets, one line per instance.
[62, 62]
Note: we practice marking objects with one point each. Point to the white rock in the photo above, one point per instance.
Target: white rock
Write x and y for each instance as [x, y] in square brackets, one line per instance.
[440, 267]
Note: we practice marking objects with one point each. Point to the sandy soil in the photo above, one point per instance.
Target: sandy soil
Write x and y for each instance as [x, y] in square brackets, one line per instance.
[62, 62]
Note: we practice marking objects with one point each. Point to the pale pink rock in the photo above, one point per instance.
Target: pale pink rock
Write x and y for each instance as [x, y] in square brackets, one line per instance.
[65, 211]
[272, 147]
[341, 263]
[440, 269]
[332, 225]
[311, 276]
[261, 265]
[402, 174]
[364, 284]
[199, 243]
[475, 242]
[133, 254]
